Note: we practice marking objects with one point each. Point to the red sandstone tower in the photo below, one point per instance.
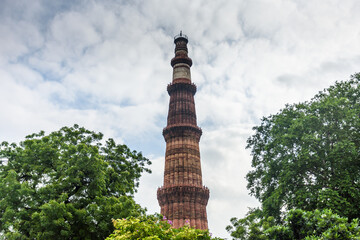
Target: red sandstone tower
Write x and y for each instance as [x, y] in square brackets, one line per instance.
[183, 198]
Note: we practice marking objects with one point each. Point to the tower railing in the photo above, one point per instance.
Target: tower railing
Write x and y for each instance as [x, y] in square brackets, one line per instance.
[181, 35]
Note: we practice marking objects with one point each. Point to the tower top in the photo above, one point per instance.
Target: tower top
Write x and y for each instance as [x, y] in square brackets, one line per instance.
[181, 50]
[180, 37]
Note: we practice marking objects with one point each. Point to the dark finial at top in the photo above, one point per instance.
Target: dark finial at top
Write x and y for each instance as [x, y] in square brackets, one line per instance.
[180, 36]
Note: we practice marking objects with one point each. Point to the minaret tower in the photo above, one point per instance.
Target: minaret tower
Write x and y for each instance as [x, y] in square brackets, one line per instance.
[183, 198]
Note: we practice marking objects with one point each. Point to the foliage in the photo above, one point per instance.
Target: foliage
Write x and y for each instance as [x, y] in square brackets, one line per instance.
[251, 227]
[67, 185]
[154, 227]
[298, 224]
[307, 156]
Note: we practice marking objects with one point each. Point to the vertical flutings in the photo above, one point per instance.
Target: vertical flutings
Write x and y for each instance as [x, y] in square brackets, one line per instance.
[182, 198]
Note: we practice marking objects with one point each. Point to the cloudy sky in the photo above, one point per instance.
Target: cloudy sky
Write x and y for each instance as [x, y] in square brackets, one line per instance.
[106, 64]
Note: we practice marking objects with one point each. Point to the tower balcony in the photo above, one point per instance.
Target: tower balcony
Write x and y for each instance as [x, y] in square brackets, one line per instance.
[180, 37]
[181, 84]
[183, 193]
[182, 130]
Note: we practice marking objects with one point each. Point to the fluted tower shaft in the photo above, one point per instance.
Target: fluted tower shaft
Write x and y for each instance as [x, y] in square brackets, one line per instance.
[183, 198]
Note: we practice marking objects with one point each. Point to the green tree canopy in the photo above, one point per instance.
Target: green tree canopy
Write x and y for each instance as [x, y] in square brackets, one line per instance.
[298, 224]
[67, 185]
[154, 227]
[307, 157]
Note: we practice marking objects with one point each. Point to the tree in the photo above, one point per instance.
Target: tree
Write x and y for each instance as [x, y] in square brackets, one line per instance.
[67, 185]
[298, 224]
[155, 227]
[307, 157]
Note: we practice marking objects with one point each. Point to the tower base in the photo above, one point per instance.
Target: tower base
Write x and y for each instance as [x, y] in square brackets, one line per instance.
[184, 205]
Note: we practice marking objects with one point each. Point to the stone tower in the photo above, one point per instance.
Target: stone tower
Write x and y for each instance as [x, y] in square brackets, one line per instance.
[183, 198]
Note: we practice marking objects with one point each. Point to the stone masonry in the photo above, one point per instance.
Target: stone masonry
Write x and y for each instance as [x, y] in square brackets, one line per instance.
[183, 198]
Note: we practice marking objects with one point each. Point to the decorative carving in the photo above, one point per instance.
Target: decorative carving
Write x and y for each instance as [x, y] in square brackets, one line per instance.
[181, 87]
[184, 193]
[181, 130]
[181, 58]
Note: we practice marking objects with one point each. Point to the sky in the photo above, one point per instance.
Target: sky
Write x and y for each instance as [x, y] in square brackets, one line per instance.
[105, 65]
